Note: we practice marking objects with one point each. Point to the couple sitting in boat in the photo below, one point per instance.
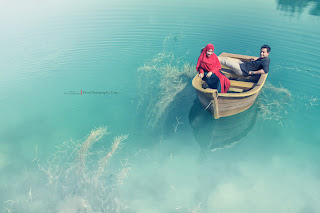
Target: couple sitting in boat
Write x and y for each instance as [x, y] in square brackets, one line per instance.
[209, 66]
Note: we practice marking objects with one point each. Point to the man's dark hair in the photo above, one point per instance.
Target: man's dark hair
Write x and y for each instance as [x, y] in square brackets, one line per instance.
[267, 47]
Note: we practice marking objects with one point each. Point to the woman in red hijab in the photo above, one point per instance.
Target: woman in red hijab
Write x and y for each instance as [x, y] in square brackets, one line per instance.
[209, 67]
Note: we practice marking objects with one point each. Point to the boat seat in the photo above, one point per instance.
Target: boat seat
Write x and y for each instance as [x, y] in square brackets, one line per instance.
[233, 89]
[235, 86]
[240, 86]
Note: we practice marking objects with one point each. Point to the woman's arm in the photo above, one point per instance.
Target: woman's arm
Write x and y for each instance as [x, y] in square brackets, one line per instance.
[201, 73]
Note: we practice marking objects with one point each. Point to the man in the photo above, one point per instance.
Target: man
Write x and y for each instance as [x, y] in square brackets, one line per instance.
[253, 67]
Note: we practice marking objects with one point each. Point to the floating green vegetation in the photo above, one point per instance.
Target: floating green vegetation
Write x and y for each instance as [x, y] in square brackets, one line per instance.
[77, 179]
[162, 78]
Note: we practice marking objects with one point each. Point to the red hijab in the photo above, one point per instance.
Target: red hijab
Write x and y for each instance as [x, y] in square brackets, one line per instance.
[212, 64]
[209, 64]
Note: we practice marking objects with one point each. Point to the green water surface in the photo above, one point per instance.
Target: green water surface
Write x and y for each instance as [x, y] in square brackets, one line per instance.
[140, 55]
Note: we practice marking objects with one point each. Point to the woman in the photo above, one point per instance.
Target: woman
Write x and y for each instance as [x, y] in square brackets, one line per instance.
[209, 67]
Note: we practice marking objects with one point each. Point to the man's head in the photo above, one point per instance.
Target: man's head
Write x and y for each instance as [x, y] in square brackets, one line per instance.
[264, 51]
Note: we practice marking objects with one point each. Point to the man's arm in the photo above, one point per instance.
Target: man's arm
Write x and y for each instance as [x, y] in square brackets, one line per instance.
[256, 72]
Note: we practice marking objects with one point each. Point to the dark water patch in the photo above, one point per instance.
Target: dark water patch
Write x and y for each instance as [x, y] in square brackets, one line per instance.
[293, 7]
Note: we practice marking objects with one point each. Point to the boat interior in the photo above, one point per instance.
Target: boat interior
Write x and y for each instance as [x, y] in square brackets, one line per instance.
[238, 83]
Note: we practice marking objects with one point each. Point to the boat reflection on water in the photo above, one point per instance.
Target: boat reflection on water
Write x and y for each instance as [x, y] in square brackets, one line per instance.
[214, 134]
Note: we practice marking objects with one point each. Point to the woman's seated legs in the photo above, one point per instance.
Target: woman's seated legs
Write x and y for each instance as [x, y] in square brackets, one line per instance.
[212, 82]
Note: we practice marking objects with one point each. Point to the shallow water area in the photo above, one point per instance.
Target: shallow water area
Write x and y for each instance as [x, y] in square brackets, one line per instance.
[99, 115]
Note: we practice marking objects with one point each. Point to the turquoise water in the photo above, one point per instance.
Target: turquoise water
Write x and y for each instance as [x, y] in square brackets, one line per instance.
[141, 55]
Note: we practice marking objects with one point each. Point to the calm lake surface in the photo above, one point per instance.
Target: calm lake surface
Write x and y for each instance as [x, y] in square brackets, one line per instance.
[98, 113]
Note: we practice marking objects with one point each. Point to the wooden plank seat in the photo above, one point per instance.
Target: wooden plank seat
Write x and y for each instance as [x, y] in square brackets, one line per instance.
[233, 89]
[236, 86]
[240, 86]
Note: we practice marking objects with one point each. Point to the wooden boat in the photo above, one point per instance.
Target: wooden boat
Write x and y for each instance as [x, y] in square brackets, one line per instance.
[242, 93]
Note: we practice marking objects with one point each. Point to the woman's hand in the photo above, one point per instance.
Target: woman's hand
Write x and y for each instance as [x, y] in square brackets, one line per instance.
[251, 72]
[201, 75]
[209, 74]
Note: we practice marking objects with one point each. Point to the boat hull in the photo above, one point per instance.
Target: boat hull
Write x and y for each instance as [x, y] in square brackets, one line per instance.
[226, 106]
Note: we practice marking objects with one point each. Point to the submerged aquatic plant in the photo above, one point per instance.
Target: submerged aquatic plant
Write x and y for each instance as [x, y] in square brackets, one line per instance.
[78, 179]
[274, 102]
[83, 152]
[104, 161]
[162, 78]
